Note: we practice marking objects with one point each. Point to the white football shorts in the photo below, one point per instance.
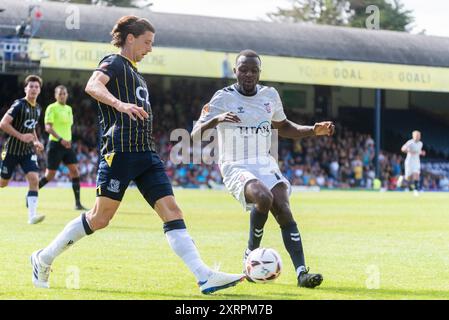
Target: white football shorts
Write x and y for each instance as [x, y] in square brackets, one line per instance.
[237, 174]
[412, 166]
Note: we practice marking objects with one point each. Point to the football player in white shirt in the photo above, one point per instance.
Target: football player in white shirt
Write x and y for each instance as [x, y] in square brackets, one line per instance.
[412, 165]
[244, 114]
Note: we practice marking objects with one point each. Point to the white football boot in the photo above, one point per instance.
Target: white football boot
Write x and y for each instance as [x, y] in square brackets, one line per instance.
[41, 271]
[220, 280]
[36, 219]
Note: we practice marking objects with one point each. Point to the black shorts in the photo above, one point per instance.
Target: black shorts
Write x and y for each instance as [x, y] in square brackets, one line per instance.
[146, 169]
[56, 153]
[10, 161]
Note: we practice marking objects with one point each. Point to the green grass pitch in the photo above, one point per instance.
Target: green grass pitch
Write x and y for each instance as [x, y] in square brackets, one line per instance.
[367, 245]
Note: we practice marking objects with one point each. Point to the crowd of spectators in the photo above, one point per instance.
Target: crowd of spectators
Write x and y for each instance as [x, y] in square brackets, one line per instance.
[345, 160]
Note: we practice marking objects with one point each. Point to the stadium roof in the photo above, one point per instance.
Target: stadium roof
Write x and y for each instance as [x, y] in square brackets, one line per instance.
[232, 35]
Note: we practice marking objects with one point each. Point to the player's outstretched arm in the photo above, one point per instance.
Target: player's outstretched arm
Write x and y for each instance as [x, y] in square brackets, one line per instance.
[212, 123]
[96, 88]
[289, 129]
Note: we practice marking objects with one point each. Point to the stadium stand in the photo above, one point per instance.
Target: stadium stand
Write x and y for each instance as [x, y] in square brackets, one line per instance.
[343, 161]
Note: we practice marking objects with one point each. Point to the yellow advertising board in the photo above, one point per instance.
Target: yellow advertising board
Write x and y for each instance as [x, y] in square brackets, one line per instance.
[201, 63]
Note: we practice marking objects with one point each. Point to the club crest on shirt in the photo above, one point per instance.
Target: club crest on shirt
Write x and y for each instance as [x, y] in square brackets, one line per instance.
[267, 107]
[240, 110]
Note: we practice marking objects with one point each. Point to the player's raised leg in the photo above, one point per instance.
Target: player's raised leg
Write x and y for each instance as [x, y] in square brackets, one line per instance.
[95, 219]
[182, 244]
[291, 237]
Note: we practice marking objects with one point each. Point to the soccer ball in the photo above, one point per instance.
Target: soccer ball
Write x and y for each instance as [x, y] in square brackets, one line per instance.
[263, 265]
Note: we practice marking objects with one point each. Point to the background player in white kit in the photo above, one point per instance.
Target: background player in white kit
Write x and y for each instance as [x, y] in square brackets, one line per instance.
[412, 164]
[243, 114]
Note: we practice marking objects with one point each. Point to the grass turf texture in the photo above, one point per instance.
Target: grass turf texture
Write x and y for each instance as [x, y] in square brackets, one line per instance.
[367, 245]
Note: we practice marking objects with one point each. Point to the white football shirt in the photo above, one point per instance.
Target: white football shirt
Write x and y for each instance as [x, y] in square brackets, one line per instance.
[252, 137]
[413, 150]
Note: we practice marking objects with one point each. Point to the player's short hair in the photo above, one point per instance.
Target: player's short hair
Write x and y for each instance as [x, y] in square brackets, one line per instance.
[60, 87]
[129, 24]
[247, 53]
[32, 78]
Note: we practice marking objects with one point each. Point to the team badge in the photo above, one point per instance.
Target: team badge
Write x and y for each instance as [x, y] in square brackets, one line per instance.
[240, 110]
[267, 107]
[114, 186]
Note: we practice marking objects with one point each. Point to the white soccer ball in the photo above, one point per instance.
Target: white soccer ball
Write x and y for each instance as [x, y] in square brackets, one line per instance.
[263, 265]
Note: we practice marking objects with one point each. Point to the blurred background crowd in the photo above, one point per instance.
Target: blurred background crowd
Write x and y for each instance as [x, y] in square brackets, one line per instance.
[345, 160]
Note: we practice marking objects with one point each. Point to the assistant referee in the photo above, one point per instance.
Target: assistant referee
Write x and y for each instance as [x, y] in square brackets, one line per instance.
[58, 123]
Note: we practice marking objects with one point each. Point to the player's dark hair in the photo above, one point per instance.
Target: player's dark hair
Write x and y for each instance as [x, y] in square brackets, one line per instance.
[249, 54]
[60, 87]
[129, 25]
[32, 78]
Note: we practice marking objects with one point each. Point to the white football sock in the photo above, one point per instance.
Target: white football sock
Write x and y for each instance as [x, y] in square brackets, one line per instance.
[32, 206]
[182, 244]
[72, 232]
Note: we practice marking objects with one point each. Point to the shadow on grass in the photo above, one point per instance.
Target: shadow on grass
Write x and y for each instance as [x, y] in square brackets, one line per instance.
[158, 295]
[386, 294]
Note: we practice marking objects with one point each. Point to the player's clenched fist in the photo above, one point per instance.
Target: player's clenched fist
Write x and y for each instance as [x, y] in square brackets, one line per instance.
[326, 128]
[38, 146]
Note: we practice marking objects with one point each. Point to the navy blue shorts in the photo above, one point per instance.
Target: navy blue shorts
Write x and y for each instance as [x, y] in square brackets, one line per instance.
[146, 169]
[10, 161]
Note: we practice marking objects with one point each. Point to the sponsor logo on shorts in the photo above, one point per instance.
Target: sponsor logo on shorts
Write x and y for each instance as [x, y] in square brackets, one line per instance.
[114, 186]
[5, 170]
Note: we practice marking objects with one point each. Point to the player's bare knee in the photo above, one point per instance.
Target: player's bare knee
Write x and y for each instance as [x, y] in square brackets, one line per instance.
[97, 220]
[33, 181]
[264, 200]
[3, 183]
[97, 223]
[172, 213]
